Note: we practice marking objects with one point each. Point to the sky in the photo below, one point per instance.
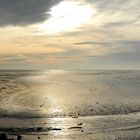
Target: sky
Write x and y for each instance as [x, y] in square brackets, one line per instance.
[69, 34]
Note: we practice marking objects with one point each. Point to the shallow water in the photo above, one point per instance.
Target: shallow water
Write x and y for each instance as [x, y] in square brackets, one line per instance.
[65, 98]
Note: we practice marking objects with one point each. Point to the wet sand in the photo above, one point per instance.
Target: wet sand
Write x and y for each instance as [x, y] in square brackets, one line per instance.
[95, 127]
[70, 104]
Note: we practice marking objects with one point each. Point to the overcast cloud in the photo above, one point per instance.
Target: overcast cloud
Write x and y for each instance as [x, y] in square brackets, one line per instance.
[111, 39]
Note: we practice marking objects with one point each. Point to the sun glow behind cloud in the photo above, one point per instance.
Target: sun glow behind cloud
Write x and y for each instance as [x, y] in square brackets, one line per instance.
[67, 16]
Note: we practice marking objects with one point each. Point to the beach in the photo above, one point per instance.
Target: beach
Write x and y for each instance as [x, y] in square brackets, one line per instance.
[64, 104]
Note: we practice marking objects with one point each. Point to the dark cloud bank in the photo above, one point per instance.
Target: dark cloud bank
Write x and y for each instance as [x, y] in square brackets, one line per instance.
[24, 12]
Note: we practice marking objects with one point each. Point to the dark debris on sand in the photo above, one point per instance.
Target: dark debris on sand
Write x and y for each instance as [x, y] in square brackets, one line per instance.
[3, 136]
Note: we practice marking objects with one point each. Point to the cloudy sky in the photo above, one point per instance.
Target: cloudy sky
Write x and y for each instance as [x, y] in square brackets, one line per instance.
[69, 34]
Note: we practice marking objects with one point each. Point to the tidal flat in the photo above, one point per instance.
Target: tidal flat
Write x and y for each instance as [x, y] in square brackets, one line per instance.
[64, 104]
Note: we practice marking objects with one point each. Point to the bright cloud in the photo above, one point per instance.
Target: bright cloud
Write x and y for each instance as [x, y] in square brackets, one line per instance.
[67, 16]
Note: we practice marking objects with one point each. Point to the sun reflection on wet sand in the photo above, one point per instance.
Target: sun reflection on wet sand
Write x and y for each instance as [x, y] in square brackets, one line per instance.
[54, 106]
